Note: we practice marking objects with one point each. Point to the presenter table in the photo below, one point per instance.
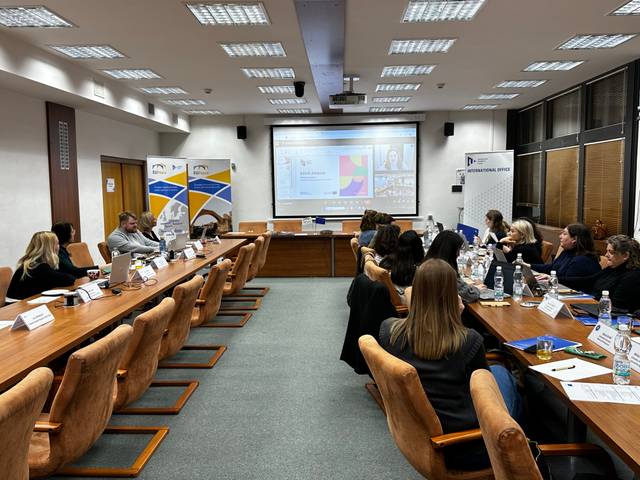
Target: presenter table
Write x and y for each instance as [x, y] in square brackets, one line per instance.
[615, 424]
[22, 350]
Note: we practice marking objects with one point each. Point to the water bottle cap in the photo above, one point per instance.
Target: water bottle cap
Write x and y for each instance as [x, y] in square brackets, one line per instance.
[605, 292]
[553, 272]
[499, 269]
[518, 268]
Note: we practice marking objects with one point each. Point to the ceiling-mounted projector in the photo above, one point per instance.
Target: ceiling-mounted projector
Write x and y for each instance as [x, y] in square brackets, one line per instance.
[347, 98]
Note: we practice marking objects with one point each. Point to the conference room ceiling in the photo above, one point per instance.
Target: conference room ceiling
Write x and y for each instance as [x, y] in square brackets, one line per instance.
[503, 39]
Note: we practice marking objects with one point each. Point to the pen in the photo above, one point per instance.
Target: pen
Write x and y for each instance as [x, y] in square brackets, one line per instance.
[563, 368]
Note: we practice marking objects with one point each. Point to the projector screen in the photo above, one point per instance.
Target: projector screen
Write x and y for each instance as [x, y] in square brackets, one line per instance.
[337, 171]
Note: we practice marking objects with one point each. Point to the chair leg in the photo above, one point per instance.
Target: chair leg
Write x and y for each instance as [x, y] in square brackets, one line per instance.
[173, 409]
[219, 349]
[254, 303]
[372, 388]
[245, 318]
[132, 471]
[260, 292]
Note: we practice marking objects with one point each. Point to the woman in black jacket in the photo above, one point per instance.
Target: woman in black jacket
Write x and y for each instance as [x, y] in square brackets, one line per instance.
[521, 239]
[66, 234]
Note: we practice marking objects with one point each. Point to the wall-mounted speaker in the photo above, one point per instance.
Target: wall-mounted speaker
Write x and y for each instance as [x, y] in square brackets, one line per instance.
[448, 129]
[151, 108]
[241, 132]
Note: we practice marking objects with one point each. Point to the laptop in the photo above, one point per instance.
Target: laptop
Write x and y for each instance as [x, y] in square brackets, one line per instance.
[440, 227]
[499, 256]
[179, 243]
[507, 272]
[120, 269]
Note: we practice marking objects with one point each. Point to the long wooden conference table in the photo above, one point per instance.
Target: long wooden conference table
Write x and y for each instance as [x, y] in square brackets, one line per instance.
[618, 425]
[21, 350]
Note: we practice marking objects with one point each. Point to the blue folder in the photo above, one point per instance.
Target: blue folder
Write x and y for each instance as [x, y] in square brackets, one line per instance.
[469, 232]
[558, 343]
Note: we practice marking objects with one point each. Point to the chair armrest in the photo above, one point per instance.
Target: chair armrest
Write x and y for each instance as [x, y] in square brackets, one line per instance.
[570, 449]
[402, 309]
[47, 427]
[200, 302]
[121, 373]
[454, 438]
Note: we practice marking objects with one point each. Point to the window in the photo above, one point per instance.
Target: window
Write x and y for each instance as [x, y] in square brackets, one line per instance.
[528, 181]
[565, 114]
[603, 185]
[530, 125]
[561, 188]
[606, 100]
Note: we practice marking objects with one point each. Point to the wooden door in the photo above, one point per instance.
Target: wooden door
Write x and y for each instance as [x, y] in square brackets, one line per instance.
[112, 195]
[133, 190]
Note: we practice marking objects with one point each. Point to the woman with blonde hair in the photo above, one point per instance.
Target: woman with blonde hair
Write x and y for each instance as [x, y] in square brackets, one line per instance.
[146, 222]
[445, 353]
[521, 239]
[37, 270]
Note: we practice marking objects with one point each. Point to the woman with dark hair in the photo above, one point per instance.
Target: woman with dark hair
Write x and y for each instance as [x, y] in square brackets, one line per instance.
[446, 246]
[385, 241]
[404, 260]
[66, 235]
[621, 277]
[578, 257]
[445, 353]
[367, 228]
[497, 228]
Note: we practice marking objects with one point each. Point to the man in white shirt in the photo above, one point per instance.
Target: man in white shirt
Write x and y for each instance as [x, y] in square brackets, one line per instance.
[127, 238]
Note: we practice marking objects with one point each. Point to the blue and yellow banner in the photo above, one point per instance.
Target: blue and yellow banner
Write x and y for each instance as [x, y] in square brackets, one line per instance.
[209, 191]
[168, 194]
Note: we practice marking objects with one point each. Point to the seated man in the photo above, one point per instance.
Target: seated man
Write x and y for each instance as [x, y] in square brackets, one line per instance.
[127, 238]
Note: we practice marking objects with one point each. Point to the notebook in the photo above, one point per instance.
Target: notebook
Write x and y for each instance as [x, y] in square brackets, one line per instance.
[558, 343]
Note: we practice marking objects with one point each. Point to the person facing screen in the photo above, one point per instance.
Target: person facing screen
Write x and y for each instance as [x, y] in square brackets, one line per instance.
[367, 228]
[520, 240]
[404, 260]
[66, 234]
[497, 228]
[445, 353]
[37, 270]
[385, 241]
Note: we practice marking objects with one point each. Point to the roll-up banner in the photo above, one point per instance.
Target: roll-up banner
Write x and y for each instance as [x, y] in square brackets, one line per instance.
[209, 191]
[168, 197]
[488, 185]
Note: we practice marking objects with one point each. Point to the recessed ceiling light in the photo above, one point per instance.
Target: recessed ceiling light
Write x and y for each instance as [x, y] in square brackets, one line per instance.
[553, 66]
[88, 51]
[441, 10]
[229, 13]
[498, 96]
[407, 70]
[294, 110]
[163, 90]
[385, 109]
[185, 102]
[347, 78]
[427, 45]
[589, 42]
[284, 89]
[287, 101]
[38, 16]
[520, 83]
[202, 112]
[629, 8]
[254, 49]
[391, 99]
[397, 87]
[269, 72]
[480, 107]
[132, 74]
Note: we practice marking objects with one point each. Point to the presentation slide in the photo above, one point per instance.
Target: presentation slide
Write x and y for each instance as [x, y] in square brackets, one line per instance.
[343, 170]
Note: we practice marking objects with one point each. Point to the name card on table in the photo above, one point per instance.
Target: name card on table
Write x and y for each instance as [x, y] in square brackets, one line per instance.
[198, 245]
[33, 319]
[143, 274]
[526, 291]
[89, 291]
[219, 260]
[554, 308]
[216, 240]
[159, 262]
[188, 253]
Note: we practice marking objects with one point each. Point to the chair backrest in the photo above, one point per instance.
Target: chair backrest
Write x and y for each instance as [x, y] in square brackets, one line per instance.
[265, 249]
[603, 262]
[103, 248]
[211, 293]
[5, 279]
[254, 266]
[287, 226]
[84, 401]
[240, 269]
[252, 227]
[506, 442]
[80, 256]
[404, 225]
[354, 247]
[411, 419]
[379, 274]
[19, 409]
[185, 296]
[141, 358]
[350, 226]
[547, 248]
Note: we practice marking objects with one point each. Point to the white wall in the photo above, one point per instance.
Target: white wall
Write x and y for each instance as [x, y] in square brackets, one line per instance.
[215, 137]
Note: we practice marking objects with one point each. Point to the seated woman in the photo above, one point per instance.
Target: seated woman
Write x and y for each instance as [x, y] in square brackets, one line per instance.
[446, 246]
[537, 234]
[367, 228]
[38, 269]
[66, 234]
[621, 277]
[402, 263]
[578, 257]
[146, 222]
[445, 354]
[496, 230]
[385, 241]
[520, 240]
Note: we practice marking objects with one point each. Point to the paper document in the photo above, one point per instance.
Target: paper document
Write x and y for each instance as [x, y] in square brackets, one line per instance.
[5, 323]
[602, 392]
[571, 369]
[42, 300]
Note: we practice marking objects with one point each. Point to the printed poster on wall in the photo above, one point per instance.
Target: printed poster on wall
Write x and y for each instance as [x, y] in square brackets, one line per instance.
[488, 184]
[210, 192]
[167, 190]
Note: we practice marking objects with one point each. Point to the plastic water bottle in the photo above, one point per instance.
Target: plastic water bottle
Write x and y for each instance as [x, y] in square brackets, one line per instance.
[622, 347]
[517, 284]
[604, 308]
[519, 260]
[114, 253]
[481, 270]
[488, 258]
[498, 285]
[462, 264]
[162, 245]
[553, 285]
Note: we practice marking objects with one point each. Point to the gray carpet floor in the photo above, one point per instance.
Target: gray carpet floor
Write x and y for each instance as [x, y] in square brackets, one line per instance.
[278, 405]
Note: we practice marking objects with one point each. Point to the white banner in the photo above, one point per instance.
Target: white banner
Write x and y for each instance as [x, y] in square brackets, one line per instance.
[168, 196]
[488, 185]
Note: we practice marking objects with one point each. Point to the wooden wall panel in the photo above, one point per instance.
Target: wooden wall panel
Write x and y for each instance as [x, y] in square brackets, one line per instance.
[133, 189]
[298, 257]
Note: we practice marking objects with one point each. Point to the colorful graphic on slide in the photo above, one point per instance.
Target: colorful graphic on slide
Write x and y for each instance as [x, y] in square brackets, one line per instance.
[354, 174]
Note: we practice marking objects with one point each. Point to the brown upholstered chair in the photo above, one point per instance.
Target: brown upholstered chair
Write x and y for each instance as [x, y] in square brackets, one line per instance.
[404, 225]
[379, 274]
[354, 247]
[5, 279]
[185, 296]
[249, 300]
[253, 292]
[19, 408]
[350, 226]
[80, 256]
[412, 421]
[252, 227]
[287, 226]
[103, 248]
[547, 249]
[238, 279]
[506, 443]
